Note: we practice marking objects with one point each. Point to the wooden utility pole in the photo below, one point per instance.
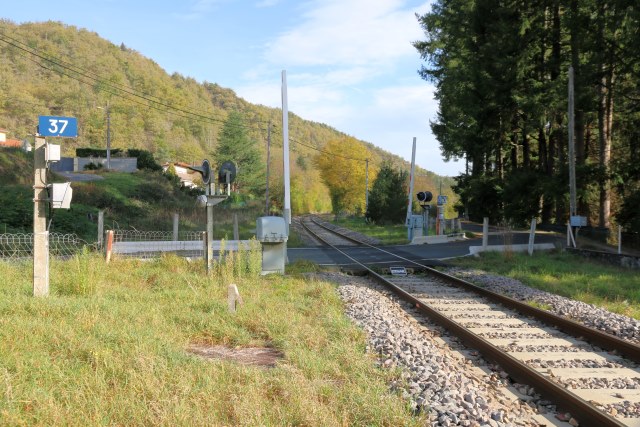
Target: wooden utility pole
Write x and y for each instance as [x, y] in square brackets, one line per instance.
[40, 233]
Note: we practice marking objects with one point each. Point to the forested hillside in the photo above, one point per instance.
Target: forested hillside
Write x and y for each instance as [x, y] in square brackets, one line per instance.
[54, 69]
[501, 71]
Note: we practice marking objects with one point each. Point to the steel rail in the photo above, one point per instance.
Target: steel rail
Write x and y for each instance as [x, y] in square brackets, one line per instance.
[602, 339]
[565, 399]
[344, 236]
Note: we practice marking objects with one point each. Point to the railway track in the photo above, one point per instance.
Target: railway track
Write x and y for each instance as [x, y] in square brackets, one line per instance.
[324, 235]
[587, 372]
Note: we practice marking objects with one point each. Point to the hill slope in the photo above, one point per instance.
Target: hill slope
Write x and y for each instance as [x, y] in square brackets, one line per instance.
[54, 69]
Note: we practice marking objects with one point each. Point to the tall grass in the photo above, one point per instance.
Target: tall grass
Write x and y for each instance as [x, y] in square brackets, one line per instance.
[108, 346]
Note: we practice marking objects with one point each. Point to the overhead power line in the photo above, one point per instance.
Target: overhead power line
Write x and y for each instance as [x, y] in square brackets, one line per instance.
[82, 75]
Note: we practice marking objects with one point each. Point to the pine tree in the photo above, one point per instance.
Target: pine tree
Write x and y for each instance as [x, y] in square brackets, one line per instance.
[237, 147]
[387, 200]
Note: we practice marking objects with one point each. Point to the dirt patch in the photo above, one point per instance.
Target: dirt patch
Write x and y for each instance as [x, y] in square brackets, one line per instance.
[253, 356]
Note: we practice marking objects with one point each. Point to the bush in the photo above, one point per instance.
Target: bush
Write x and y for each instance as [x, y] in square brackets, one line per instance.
[145, 159]
[92, 166]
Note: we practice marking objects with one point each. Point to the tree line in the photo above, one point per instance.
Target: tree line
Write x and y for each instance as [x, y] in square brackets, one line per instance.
[500, 71]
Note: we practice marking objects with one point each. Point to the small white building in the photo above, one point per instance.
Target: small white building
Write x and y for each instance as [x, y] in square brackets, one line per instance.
[13, 143]
[186, 175]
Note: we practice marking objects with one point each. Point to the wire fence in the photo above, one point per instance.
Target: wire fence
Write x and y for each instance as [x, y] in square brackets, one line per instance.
[151, 244]
[19, 246]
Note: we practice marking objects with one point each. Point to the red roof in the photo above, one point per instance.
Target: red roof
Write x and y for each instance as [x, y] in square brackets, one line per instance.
[13, 143]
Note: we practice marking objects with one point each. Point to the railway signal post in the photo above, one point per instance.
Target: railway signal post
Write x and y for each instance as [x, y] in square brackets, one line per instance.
[59, 195]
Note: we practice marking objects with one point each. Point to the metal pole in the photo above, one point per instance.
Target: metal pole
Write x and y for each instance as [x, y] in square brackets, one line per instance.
[366, 194]
[108, 137]
[40, 233]
[285, 151]
[427, 220]
[572, 156]
[266, 210]
[411, 180]
[209, 235]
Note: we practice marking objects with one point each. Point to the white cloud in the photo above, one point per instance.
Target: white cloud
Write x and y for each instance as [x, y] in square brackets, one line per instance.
[350, 64]
[353, 32]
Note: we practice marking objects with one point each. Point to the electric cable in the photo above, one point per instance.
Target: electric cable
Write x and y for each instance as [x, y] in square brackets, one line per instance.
[114, 88]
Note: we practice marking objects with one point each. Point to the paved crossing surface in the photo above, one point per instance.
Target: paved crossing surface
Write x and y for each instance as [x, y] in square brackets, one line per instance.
[432, 254]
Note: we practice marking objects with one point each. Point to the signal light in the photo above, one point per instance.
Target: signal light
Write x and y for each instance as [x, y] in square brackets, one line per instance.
[424, 196]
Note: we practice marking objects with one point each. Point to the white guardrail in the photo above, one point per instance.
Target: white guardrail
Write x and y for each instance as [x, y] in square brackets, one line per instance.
[176, 245]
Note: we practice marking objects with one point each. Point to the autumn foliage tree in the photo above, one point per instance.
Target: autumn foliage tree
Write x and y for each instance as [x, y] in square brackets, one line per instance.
[342, 168]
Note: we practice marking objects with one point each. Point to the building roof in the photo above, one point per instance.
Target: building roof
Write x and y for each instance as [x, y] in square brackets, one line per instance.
[12, 143]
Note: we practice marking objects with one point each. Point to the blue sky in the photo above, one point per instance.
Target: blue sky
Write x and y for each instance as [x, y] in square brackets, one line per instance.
[350, 63]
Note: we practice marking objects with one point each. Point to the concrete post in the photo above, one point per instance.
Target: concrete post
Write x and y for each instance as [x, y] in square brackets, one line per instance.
[485, 232]
[40, 233]
[176, 221]
[233, 298]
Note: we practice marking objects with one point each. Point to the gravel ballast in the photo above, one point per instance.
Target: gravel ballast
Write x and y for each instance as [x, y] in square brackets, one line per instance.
[433, 377]
[467, 390]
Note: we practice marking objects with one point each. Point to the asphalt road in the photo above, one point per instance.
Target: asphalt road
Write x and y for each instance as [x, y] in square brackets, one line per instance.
[432, 254]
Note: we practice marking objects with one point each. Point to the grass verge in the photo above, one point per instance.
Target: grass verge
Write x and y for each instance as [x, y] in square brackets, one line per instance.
[387, 234]
[616, 289]
[108, 347]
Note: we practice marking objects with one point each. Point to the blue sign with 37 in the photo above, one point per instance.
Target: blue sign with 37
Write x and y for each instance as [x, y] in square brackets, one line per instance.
[58, 126]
